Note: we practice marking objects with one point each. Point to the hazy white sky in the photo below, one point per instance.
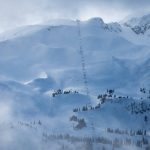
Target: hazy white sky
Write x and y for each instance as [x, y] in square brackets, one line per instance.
[22, 12]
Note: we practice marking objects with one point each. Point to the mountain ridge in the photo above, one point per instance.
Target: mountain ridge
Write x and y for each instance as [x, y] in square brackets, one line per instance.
[43, 96]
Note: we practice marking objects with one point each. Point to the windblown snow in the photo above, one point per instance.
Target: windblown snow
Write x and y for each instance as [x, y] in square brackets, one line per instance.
[45, 71]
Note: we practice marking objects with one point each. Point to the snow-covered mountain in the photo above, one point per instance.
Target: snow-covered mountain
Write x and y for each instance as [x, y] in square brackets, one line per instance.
[140, 25]
[46, 70]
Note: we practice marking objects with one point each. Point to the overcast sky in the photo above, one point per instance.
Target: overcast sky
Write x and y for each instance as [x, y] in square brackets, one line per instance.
[22, 12]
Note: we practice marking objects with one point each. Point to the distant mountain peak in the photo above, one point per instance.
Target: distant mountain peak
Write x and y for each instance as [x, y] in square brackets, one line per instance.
[140, 25]
[112, 27]
[96, 21]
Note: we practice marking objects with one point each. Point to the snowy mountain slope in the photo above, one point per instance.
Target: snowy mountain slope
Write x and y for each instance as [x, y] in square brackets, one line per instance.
[50, 49]
[33, 115]
[42, 86]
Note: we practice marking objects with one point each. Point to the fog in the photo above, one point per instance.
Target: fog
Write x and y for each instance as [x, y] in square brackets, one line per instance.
[19, 13]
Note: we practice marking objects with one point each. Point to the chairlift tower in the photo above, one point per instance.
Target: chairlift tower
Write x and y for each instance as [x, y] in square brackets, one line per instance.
[84, 73]
[81, 52]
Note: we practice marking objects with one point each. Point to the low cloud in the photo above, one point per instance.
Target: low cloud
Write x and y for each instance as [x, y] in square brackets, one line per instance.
[18, 13]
